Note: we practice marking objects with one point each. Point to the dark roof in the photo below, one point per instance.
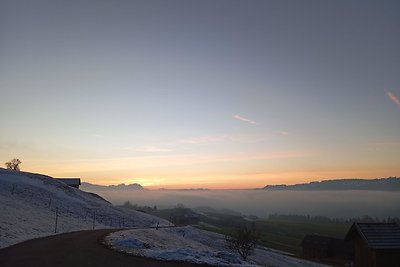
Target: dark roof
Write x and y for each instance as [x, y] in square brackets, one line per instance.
[376, 235]
[70, 181]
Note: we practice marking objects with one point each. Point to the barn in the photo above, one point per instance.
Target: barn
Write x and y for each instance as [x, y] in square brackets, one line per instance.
[73, 182]
[315, 246]
[376, 244]
[322, 247]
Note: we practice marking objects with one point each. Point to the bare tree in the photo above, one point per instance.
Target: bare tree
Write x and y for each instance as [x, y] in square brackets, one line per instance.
[13, 164]
[243, 241]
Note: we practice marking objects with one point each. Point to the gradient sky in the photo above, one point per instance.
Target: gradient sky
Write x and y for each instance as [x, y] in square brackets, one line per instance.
[217, 94]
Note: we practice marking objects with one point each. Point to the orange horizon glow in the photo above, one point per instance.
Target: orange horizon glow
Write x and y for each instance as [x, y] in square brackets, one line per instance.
[223, 170]
[222, 181]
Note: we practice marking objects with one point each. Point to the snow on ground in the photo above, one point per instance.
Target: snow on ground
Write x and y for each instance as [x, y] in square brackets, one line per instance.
[29, 204]
[193, 245]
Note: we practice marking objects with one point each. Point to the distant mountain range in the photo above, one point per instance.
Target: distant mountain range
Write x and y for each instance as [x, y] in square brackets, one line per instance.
[95, 187]
[381, 184]
[184, 189]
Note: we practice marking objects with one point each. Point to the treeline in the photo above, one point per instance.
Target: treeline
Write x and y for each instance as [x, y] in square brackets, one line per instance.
[178, 215]
[146, 209]
[379, 184]
[324, 219]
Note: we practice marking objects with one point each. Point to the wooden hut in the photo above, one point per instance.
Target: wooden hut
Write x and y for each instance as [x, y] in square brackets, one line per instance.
[73, 182]
[376, 244]
[315, 246]
[321, 247]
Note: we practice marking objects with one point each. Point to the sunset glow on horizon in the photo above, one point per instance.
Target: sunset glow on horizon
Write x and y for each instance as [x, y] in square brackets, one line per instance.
[201, 94]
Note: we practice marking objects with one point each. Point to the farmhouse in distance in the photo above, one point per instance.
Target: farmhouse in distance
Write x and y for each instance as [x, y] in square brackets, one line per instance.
[73, 182]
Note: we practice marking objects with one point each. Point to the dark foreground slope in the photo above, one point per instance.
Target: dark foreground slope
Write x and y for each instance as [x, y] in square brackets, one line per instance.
[81, 248]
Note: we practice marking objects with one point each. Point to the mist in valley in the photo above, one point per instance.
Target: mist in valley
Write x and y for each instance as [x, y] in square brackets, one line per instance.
[333, 204]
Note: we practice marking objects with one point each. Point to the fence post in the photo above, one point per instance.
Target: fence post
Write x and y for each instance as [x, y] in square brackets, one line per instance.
[94, 218]
[55, 227]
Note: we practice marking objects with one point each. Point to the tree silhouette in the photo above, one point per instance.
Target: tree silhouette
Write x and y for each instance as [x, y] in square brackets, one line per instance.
[243, 241]
[13, 164]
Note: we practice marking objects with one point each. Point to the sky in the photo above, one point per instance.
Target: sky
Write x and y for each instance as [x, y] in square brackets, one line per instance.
[216, 94]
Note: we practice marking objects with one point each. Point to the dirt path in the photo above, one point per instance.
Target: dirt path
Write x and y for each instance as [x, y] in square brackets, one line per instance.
[74, 249]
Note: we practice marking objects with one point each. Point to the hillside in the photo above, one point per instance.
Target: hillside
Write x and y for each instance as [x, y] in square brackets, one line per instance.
[30, 203]
[381, 184]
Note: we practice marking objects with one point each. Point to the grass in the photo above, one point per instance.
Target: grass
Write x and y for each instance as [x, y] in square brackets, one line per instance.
[287, 235]
[282, 234]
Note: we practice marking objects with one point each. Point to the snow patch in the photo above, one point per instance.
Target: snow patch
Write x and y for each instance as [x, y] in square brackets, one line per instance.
[195, 246]
[30, 202]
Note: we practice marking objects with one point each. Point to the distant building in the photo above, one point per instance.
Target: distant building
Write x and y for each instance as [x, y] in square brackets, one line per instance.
[322, 247]
[73, 182]
[376, 244]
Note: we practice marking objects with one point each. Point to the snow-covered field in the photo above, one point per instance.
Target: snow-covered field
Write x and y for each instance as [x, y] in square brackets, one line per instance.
[29, 204]
[193, 245]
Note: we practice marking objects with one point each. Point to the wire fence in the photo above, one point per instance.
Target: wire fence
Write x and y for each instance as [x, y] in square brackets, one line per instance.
[74, 209]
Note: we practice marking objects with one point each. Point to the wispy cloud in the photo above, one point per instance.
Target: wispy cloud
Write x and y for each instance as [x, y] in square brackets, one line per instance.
[151, 149]
[240, 118]
[393, 97]
[168, 160]
[283, 133]
[205, 139]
